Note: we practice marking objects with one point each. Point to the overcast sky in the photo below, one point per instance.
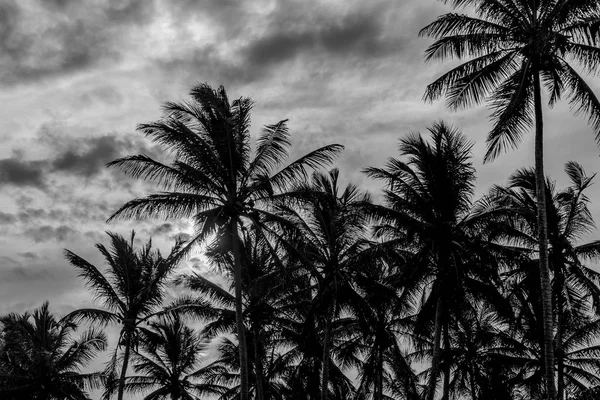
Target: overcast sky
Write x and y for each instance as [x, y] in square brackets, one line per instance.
[77, 76]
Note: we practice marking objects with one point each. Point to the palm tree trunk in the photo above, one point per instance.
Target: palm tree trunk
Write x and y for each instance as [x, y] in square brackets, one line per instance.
[239, 316]
[472, 382]
[325, 362]
[258, 364]
[435, 359]
[546, 290]
[379, 390]
[124, 366]
[560, 279]
[446, 389]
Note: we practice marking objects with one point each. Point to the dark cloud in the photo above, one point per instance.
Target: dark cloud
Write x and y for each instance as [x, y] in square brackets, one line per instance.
[7, 218]
[18, 172]
[70, 36]
[161, 230]
[355, 35]
[79, 157]
[28, 255]
[294, 31]
[47, 233]
[91, 160]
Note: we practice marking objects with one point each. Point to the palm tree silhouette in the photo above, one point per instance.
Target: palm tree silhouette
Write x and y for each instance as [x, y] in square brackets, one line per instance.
[169, 362]
[332, 223]
[428, 215]
[515, 46]
[40, 359]
[386, 323]
[132, 291]
[575, 286]
[215, 178]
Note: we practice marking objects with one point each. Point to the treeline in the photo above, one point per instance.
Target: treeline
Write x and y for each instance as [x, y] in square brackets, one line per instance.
[333, 295]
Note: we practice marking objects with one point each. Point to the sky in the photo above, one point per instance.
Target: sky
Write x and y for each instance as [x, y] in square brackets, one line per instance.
[77, 76]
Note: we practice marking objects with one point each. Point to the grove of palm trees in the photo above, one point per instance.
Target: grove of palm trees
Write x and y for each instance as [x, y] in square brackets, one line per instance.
[322, 290]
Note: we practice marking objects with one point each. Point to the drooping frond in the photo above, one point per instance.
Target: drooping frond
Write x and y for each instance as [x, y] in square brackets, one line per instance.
[513, 113]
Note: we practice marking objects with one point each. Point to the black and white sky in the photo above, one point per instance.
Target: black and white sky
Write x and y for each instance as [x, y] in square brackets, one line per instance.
[77, 76]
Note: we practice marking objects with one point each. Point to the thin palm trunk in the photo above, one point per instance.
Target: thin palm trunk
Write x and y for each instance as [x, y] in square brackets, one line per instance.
[560, 360]
[124, 366]
[435, 359]
[326, 345]
[472, 382]
[379, 392]
[239, 317]
[446, 388]
[545, 288]
[258, 364]
[560, 279]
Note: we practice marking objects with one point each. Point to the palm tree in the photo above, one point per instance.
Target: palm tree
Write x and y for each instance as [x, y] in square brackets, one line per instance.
[132, 291]
[427, 213]
[514, 47]
[215, 178]
[264, 293]
[333, 226]
[379, 332]
[522, 350]
[576, 290]
[169, 363]
[40, 360]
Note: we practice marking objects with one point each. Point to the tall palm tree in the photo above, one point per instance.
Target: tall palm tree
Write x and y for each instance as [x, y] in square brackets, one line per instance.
[215, 177]
[132, 292]
[576, 290]
[41, 360]
[332, 223]
[515, 47]
[169, 363]
[427, 213]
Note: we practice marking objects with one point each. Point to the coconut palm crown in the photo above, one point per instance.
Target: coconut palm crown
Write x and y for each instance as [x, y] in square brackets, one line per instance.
[215, 178]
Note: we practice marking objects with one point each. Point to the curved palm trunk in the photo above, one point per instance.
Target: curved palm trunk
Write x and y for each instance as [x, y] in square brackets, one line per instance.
[124, 366]
[435, 359]
[326, 346]
[546, 290]
[239, 316]
[258, 364]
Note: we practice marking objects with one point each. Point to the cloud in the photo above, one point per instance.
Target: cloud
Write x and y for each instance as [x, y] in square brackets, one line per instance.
[73, 156]
[357, 34]
[161, 230]
[60, 37]
[18, 172]
[6, 219]
[28, 255]
[91, 160]
[47, 233]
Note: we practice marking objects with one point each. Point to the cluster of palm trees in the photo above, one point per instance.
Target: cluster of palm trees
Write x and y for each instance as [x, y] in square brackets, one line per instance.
[326, 294]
